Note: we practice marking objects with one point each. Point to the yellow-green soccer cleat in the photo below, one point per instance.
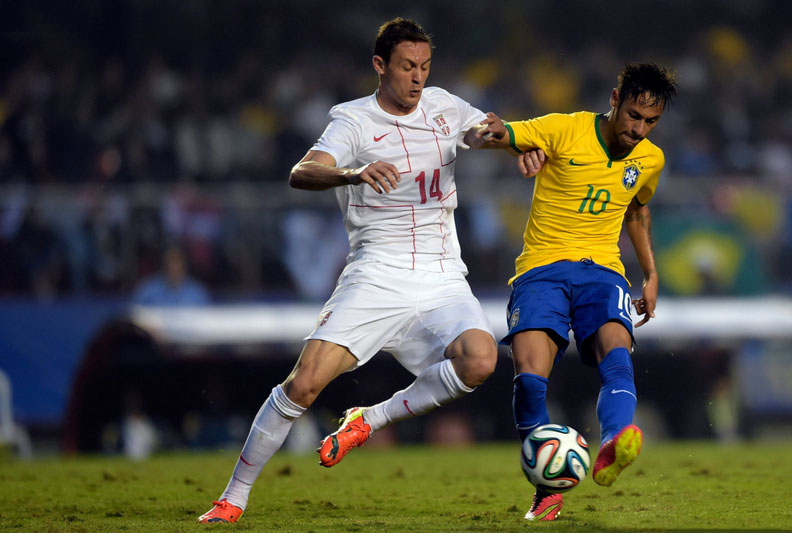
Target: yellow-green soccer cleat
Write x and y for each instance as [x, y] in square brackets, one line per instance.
[221, 512]
[354, 431]
[617, 454]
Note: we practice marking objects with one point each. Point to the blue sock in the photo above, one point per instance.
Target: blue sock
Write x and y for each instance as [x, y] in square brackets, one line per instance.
[617, 399]
[530, 409]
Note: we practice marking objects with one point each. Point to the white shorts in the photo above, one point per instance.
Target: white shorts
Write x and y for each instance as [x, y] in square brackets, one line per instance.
[412, 314]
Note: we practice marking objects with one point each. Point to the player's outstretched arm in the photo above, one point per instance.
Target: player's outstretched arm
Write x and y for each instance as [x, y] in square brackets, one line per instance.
[489, 133]
[637, 221]
[492, 133]
[317, 171]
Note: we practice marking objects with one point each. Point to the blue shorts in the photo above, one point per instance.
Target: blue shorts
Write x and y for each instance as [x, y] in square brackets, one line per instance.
[581, 296]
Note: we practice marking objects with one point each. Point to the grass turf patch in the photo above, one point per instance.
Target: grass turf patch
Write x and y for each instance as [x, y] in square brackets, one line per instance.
[679, 485]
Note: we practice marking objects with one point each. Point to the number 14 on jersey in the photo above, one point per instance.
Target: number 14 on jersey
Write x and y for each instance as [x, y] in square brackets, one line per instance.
[434, 186]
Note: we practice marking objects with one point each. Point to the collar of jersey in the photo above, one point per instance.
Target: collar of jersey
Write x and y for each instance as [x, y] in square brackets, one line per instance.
[602, 141]
[402, 118]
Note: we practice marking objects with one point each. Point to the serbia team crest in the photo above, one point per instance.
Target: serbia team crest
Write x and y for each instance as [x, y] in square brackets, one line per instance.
[442, 124]
[630, 176]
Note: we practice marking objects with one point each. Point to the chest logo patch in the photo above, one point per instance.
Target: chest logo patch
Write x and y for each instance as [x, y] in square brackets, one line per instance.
[442, 124]
[630, 176]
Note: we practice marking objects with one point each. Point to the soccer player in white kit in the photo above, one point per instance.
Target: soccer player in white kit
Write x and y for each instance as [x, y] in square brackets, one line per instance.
[390, 158]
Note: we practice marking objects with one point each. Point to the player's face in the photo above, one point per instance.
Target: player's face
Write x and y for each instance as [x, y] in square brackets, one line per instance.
[403, 77]
[634, 120]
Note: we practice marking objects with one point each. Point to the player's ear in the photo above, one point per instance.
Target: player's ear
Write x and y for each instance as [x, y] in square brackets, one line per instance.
[379, 64]
[614, 99]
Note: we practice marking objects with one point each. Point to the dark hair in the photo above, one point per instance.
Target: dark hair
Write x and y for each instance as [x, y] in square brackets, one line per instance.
[638, 79]
[397, 31]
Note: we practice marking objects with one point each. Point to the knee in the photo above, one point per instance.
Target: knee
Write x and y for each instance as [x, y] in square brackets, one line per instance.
[477, 363]
[610, 336]
[301, 389]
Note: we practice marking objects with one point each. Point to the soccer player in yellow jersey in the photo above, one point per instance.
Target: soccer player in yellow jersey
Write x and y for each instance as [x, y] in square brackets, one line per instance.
[601, 171]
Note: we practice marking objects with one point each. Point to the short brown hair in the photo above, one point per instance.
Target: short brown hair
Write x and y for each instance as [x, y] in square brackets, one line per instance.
[397, 31]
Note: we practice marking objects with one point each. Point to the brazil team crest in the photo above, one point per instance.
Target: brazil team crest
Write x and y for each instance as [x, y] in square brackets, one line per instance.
[442, 124]
[630, 176]
[514, 319]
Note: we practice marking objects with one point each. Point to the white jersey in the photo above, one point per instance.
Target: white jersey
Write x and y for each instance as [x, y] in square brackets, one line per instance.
[413, 226]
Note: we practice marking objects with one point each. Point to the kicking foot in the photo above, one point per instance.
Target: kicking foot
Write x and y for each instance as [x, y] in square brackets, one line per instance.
[617, 454]
[354, 431]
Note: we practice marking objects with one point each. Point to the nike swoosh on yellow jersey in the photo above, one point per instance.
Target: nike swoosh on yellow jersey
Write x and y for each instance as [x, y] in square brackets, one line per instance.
[572, 162]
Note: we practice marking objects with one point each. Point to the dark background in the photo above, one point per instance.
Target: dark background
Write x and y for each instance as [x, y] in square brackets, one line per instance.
[127, 126]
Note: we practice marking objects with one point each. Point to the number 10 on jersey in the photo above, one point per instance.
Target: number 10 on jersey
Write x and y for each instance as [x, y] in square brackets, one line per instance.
[434, 186]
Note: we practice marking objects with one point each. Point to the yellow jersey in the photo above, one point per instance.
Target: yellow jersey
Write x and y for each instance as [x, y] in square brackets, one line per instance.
[581, 194]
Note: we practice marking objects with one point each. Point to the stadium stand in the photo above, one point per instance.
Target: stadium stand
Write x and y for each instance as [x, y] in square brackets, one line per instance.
[127, 126]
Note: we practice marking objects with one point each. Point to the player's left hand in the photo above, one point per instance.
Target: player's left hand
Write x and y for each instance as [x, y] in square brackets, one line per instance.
[646, 305]
[489, 133]
[531, 162]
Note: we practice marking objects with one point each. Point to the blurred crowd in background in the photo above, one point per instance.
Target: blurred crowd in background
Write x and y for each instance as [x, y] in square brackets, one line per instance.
[129, 127]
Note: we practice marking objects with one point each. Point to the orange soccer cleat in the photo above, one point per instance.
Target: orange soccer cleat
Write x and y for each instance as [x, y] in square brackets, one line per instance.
[617, 454]
[221, 512]
[354, 432]
[545, 506]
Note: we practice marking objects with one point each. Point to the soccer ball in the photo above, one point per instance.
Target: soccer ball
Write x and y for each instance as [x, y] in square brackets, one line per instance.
[555, 458]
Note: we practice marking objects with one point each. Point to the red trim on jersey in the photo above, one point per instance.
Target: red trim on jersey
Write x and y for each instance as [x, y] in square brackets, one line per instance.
[412, 214]
[447, 196]
[409, 165]
[442, 242]
[437, 141]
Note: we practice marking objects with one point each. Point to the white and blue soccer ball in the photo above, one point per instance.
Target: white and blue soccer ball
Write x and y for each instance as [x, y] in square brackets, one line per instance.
[555, 458]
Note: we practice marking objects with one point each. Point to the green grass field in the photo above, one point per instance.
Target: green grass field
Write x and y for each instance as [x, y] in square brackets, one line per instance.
[682, 485]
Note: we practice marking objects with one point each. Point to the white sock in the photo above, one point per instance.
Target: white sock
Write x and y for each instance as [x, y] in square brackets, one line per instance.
[269, 430]
[435, 386]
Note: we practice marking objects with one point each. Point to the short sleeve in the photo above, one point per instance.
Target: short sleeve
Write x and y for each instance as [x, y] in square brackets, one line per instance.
[547, 132]
[341, 137]
[647, 190]
[469, 117]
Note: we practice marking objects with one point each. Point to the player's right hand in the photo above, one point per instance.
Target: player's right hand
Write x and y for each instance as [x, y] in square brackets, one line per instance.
[379, 175]
[648, 302]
